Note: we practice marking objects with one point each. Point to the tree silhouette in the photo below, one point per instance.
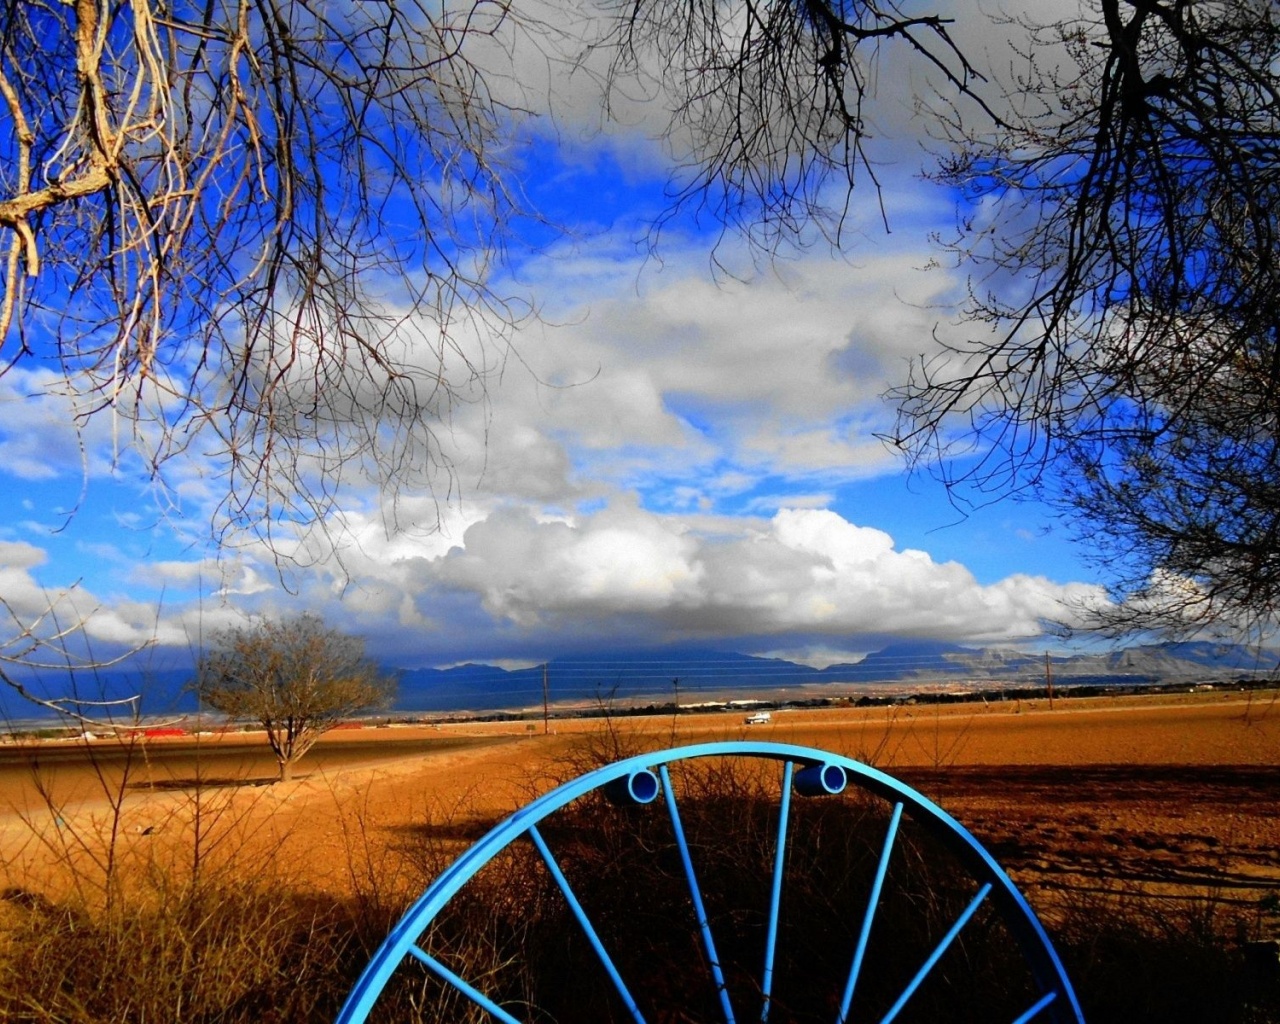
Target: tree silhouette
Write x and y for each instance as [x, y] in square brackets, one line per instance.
[1124, 236]
[259, 233]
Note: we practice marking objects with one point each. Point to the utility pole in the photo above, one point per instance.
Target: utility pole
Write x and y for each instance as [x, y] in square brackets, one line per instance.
[1048, 677]
[546, 705]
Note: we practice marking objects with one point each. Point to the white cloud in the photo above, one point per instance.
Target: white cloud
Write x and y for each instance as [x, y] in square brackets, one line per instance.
[708, 387]
[617, 561]
[35, 615]
[598, 510]
[510, 583]
[38, 439]
[806, 571]
[586, 494]
[164, 572]
[18, 556]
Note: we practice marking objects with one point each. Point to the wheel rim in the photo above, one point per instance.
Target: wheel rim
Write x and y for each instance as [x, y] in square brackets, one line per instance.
[645, 781]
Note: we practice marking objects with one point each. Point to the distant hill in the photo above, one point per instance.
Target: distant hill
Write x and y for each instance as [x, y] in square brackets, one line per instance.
[693, 675]
[160, 692]
[906, 661]
[706, 675]
[599, 678]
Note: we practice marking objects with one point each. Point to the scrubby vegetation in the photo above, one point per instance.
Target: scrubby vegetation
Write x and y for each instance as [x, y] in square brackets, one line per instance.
[199, 929]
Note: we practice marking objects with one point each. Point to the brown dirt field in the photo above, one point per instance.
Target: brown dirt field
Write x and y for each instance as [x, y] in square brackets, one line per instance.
[1171, 795]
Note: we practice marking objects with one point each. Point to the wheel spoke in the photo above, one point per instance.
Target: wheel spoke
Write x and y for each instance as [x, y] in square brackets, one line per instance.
[695, 894]
[873, 902]
[775, 895]
[587, 927]
[472, 993]
[936, 955]
[1036, 1007]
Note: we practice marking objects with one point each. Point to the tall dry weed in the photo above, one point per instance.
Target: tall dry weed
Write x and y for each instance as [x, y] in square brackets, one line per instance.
[179, 911]
[208, 926]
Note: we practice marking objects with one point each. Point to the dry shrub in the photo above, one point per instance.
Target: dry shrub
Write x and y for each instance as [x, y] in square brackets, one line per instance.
[181, 911]
[244, 953]
[1134, 956]
[195, 930]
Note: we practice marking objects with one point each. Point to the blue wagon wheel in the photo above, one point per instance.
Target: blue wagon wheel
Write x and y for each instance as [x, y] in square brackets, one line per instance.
[738, 903]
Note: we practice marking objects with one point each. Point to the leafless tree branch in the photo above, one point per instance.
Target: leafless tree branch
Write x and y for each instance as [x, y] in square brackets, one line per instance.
[769, 101]
[1124, 241]
[260, 233]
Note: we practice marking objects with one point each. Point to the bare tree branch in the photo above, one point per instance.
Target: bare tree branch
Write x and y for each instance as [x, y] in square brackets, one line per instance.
[260, 233]
[770, 98]
[1126, 296]
[46, 644]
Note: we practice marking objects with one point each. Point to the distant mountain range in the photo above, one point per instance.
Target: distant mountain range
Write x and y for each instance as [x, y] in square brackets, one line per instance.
[697, 675]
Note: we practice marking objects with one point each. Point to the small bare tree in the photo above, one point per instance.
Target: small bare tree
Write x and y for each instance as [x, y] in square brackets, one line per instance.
[297, 677]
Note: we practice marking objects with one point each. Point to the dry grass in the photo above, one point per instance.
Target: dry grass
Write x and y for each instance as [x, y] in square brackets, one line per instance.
[203, 902]
[185, 910]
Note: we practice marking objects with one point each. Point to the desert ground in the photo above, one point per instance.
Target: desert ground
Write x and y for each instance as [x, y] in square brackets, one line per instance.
[1176, 794]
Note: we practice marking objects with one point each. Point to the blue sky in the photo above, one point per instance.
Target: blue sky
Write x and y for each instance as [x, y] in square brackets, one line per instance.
[669, 455]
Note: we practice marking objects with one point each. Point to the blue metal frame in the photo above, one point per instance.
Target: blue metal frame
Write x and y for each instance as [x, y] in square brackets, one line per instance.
[1056, 1000]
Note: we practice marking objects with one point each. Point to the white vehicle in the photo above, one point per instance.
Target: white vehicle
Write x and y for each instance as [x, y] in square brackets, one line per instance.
[759, 718]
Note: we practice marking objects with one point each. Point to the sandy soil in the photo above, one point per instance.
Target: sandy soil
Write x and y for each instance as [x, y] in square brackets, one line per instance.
[1179, 795]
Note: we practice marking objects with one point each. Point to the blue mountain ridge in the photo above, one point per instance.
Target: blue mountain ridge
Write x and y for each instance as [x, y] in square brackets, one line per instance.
[693, 675]
[700, 674]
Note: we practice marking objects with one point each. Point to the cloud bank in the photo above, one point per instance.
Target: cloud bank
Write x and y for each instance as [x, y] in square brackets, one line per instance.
[665, 455]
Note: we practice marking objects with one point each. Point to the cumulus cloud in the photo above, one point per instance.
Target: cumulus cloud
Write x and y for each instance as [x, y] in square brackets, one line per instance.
[693, 390]
[607, 510]
[660, 457]
[17, 557]
[513, 583]
[805, 572]
[659, 463]
[40, 622]
[618, 561]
